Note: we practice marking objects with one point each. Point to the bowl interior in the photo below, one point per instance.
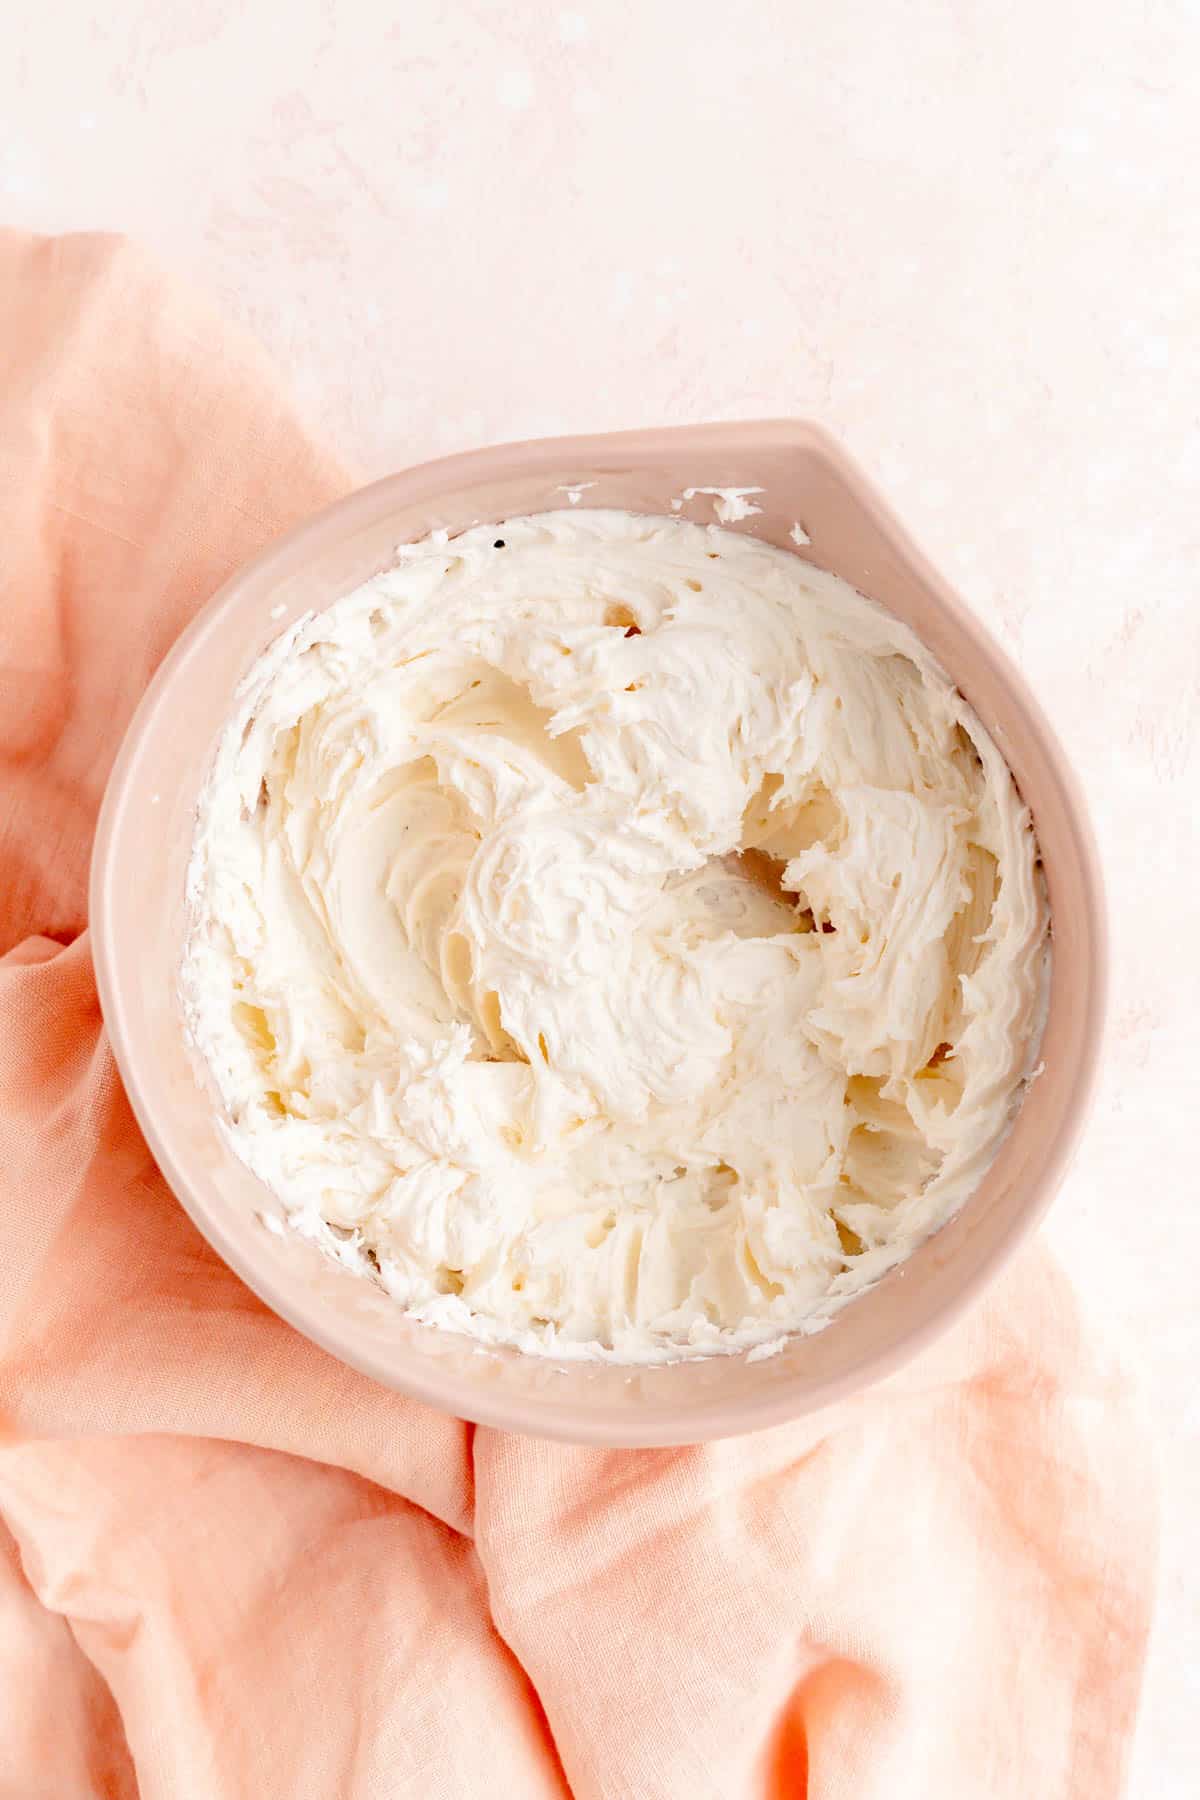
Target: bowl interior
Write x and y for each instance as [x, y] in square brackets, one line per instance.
[146, 824]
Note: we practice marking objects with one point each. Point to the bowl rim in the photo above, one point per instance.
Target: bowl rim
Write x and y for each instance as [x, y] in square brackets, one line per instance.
[442, 1389]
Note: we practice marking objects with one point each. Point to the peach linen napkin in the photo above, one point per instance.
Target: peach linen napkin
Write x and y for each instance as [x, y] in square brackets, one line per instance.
[231, 1568]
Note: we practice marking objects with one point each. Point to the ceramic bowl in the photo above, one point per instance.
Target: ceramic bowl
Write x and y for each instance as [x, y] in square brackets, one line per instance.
[138, 920]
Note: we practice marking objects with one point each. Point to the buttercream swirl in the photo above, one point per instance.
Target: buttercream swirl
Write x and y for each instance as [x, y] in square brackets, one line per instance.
[613, 935]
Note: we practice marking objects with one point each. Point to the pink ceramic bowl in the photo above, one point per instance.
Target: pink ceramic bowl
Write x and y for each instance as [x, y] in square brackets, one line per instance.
[137, 916]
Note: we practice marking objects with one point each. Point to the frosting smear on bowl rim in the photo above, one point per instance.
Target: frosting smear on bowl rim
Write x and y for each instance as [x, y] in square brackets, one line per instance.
[613, 935]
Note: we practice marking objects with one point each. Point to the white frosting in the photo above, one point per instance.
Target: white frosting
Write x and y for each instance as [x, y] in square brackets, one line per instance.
[614, 935]
[730, 504]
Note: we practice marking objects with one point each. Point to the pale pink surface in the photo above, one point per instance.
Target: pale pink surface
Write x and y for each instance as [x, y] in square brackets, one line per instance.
[235, 1567]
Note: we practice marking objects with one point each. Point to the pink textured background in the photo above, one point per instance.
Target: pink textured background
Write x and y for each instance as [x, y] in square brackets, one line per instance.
[962, 236]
